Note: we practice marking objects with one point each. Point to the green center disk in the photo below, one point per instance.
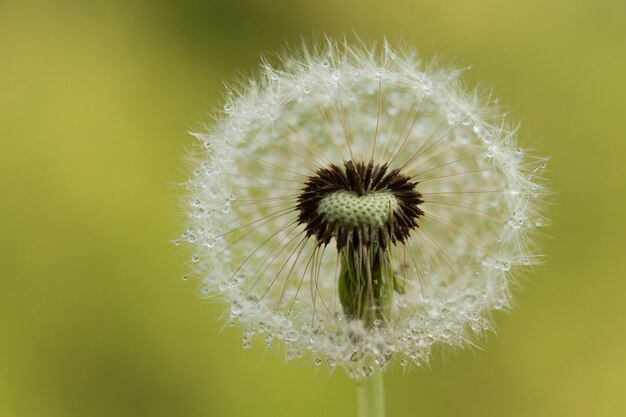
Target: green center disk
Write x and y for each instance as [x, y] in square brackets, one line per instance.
[348, 209]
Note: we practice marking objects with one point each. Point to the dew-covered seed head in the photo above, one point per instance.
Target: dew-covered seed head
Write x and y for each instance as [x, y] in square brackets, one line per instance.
[416, 179]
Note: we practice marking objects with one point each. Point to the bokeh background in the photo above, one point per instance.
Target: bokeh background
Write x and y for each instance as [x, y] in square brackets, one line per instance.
[95, 102]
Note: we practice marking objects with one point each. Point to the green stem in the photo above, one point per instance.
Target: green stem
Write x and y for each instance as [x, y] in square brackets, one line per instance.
[371, 396]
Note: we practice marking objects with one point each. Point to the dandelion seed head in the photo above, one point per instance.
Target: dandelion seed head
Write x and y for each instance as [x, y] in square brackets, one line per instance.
[340, 154]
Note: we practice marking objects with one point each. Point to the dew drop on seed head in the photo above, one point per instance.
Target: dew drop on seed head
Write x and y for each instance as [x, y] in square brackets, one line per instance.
[318, 361]
[195, 258]
[503, 265]
[236, 308]
[246, 343]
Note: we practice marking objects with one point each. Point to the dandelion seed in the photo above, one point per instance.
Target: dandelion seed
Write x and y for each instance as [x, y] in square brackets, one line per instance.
[363, 205]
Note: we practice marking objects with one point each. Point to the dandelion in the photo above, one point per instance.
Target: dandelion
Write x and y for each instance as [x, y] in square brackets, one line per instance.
[362, 207]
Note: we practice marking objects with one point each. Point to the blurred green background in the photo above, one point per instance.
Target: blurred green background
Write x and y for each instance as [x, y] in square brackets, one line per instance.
[95, 100]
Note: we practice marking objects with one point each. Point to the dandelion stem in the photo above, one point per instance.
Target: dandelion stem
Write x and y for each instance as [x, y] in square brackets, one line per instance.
[371, 396]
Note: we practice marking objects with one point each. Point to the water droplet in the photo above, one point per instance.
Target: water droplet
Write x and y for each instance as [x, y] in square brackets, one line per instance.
[185, 277]
[503, 265]
[367, 371]
[195, 258]
[470, 299]
[318, 361]
[246, 343]
[236, 308]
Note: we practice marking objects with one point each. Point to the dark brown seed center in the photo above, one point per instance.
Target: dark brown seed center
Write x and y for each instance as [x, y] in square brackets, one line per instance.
[361, 204]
